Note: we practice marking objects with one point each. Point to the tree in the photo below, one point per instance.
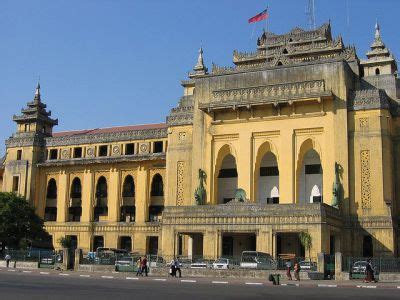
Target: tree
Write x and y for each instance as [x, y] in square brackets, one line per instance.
[306, 242]
[19, 225]
[65, 242]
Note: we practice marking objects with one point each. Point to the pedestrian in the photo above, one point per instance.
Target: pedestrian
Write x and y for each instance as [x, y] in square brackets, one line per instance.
[172, 270]
[177, 267]
[8, 259]
[139, 266]
[144, 266]
[288, 269]
[296, 271]
[369, 272]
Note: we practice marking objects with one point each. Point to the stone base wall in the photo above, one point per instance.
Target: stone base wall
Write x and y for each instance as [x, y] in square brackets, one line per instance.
[20, 264]
[96, 268]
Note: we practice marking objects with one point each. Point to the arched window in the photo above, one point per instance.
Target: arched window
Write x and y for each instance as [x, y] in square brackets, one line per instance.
[101, 188]
[377, 71]
[279, 63]
[76, 188]
[52, 189]
[285, 51]
[157, 187]
[128, 189]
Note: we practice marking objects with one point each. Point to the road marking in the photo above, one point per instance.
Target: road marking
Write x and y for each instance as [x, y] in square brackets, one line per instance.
[253, 283]
[26, 271]
[107, 277]
[367, 286]
[44, 273]
[84, 275]
[132, 278]
[398, 287]
[327, 285]
[188, 280]
[220, 282]
[290, 284]
[160, 279]
[11, 270]
[63, 274]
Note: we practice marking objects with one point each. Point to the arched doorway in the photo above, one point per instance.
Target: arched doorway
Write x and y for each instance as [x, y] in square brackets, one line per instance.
[75, 203]
[227, 181]
[268, 179]
[156, 198]
[128, 200]
[50, 211]
[101, 208]
[310, 178]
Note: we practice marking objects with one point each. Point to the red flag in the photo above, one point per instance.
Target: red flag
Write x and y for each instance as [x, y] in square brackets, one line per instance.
[261, 16]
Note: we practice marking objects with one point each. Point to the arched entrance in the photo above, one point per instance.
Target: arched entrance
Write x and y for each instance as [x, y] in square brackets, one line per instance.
[50, 211]
[101, 208]
[128, 200]
[227, 181]
[310, 178]
[75, 204]
[268, 179]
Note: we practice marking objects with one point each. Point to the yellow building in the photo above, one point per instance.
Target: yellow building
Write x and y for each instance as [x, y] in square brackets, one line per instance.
[298, 136]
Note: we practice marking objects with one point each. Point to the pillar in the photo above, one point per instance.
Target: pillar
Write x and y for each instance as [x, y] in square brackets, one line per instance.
[141, 196]
[262, 244]
[287, 164]
[140, 243]
[190, 246]
[338, 264]
[87, 196]
[113, 196]
[62, 189]
[244, 163]
[210, 245]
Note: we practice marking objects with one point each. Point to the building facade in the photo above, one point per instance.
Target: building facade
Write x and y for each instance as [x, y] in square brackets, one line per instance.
[299, 136]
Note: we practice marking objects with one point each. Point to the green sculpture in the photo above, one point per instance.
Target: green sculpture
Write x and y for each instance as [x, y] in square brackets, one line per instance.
[240, 195]
[336, 187]
[200, 192]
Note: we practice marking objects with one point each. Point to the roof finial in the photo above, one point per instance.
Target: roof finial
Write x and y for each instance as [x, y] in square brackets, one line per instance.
[377, 30]
[200, 61]
[37, 92]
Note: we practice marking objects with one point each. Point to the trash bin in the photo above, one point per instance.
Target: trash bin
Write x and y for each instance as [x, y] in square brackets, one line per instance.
[274, 278]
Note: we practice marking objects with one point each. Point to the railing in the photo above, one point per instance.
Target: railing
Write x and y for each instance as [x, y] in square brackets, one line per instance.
[45, 258]
[379, 264]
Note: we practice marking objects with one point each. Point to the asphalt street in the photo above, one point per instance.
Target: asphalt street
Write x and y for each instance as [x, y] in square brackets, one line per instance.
[18, 285]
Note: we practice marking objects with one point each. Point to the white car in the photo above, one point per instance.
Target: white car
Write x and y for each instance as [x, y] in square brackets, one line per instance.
[199, 265]
[221, 263]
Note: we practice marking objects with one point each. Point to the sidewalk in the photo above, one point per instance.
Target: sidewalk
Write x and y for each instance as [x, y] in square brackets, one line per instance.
[203, 280]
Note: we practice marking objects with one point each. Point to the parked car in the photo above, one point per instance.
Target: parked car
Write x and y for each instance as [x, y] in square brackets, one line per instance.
[222, 263]
[199, 265]
[257, 260]
[156, 261]
[307, 265]
[359, 267]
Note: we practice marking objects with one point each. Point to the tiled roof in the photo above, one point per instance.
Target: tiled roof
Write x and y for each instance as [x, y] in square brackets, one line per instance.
[110, 129]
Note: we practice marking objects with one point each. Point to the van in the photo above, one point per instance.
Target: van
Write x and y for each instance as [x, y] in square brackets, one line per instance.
[257, 260]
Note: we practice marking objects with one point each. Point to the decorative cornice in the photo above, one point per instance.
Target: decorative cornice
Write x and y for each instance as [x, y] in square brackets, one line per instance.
[26, 140]
[107, 137]
[183, 113]
[271, 94]
[101, 227]
[103, 160]
[368, 99]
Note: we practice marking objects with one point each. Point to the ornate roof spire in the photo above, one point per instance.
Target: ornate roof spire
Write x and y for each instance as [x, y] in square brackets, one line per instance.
[377, 30]
[199, 69]
[37, 93]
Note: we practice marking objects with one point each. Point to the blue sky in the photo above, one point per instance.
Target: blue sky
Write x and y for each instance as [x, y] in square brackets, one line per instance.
[117, 62]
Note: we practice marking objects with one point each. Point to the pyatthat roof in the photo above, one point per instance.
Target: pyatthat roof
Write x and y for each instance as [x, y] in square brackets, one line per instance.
[2, 160]
[109, 130]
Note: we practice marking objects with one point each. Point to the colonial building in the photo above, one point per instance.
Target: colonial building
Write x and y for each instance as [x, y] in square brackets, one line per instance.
[299, 136]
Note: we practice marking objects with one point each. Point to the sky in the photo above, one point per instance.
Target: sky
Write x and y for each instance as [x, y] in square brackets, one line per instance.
[106, 63]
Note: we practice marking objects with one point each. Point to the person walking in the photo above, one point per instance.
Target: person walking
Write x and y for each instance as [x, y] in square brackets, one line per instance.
[369, 273]
[8, 259]
[139, 266]
[288, 269]
[296, 271]
[144, 265]
[177, 267]
[172, 270]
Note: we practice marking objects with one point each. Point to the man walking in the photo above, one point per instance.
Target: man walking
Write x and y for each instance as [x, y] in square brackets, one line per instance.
[177, 267]
[8, 259]
[139, 266]
[144, 266]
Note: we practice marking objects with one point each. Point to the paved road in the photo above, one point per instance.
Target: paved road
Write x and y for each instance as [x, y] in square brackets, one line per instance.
[19, 285]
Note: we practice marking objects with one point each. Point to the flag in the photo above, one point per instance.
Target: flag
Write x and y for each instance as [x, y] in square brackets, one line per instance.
[261, 16]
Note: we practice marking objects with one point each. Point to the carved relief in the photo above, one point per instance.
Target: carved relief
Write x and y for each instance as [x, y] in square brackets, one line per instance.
[65, 154]
[116, 150]
[179, 183]
[364, 123]
[182, 136]
[365, 180]
[90, 152]
[144, 148]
